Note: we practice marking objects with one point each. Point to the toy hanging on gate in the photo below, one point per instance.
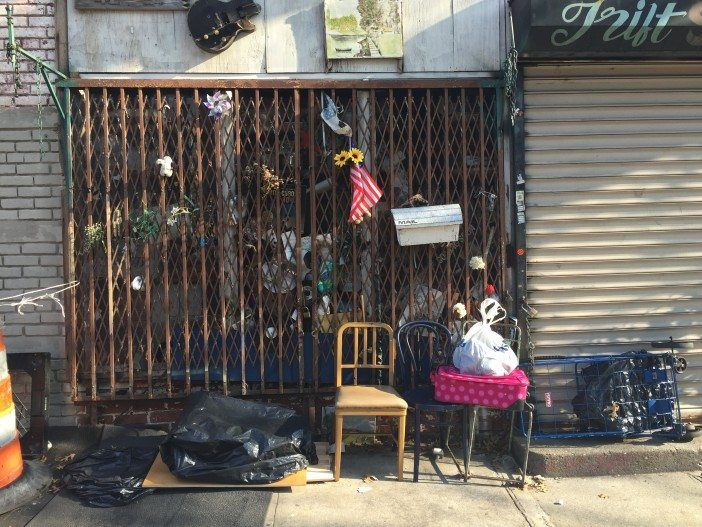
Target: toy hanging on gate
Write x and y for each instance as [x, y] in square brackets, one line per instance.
[366, 192]
[330, 115]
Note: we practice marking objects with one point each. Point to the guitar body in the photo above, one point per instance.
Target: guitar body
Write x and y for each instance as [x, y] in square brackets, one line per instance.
[215, 24]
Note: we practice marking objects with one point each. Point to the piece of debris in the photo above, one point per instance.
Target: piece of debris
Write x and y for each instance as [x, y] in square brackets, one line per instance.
[603, 496]
[368, 478]
[55, 485]
[64, 460]
[559, 502]
[537, 483]
[364, 489]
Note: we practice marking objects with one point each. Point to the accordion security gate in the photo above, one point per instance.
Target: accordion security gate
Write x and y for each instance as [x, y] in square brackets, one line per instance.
[234, 272]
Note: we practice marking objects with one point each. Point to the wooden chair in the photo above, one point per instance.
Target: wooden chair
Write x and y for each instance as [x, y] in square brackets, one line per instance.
[372, 399]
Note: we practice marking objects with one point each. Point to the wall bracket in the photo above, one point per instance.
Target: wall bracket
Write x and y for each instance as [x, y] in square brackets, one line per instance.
[13, 50]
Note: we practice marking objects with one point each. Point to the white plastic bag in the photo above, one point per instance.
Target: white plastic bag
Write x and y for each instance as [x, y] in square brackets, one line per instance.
[483, 351]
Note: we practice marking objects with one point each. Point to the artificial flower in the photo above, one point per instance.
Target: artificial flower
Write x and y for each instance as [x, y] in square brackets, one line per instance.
[218, 104]
[341, 158]
[460, 311]
[356, 155]
[476, 263]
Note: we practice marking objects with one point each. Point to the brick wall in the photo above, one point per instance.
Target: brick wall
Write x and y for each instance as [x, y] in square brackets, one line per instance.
[31, 185]
[35, 31]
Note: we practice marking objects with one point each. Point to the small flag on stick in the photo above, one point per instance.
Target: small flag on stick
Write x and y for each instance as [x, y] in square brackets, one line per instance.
[366, 193]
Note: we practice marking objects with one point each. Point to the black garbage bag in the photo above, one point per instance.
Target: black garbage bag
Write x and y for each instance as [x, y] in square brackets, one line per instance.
[226, 440]
[112, 474]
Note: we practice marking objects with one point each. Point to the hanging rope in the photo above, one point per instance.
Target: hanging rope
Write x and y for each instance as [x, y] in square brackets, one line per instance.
[32, 298]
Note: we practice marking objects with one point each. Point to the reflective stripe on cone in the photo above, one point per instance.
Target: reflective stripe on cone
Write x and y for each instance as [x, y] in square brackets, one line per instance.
[11, 464]
[8, 426]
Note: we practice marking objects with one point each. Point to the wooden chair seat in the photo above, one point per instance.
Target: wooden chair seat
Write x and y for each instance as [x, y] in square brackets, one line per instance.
[369, 398]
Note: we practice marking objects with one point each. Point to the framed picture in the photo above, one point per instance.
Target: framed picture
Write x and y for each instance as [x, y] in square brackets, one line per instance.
[363, 29]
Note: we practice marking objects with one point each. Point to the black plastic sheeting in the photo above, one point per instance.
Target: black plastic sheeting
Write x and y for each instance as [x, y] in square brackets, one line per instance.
[629, 395]
[113, 473]
[226, 440]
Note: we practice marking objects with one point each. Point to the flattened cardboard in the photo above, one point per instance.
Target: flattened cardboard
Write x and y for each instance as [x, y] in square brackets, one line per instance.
[160, 477]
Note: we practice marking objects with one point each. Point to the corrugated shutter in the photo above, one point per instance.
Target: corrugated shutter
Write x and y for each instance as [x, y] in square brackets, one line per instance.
[614, 209]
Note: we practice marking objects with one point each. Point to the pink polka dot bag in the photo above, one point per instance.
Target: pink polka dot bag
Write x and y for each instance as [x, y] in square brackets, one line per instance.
[452, 386]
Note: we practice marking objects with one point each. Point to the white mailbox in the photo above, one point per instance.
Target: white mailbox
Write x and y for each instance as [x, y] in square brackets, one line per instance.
[423, 225]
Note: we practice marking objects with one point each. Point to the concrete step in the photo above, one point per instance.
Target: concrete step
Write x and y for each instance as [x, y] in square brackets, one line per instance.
[610, 457]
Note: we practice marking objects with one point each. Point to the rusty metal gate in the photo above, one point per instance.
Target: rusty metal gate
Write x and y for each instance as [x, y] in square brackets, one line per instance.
[234, 272]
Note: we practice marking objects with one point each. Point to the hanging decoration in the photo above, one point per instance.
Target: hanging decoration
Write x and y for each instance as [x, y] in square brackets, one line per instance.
[94, 236]
[366, 192]
[175, 213]
[330, 115]
[138, 283]
[219, 104]
[476, 263]
[166, 166]
[145, 225]
[215, 25]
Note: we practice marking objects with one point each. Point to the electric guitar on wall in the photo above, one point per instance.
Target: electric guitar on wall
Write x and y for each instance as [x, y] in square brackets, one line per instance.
[215, 24]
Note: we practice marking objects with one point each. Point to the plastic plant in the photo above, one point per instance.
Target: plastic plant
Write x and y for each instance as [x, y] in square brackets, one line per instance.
[145, 225]
[94, 236]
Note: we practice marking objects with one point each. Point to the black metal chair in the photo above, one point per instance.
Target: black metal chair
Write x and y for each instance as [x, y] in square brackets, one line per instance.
[422, 346]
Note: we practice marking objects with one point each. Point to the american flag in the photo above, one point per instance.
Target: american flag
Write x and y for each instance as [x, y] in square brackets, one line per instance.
[366, 193]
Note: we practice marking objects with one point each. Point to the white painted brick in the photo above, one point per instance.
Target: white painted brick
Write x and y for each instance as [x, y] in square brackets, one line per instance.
[56, 260]
[33, 168]
[19, 260]
[33, 192]
[8, 180]
[10, 272]
[39, 248]
[35, 214]
[15, 135]
[40, 271]
[55, 318]
[48, 203]
[9, 214]
[52, 180]
[47, 330]
[11, 248]
[16, 203]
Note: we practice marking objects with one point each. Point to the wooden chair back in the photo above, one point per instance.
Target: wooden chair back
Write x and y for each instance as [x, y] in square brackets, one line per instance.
[366, 339]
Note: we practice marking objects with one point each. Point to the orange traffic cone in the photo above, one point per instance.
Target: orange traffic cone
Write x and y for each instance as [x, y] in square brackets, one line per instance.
[19, 481]
[10, 452]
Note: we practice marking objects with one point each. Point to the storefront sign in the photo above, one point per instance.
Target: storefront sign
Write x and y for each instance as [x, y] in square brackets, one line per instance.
[608, 28]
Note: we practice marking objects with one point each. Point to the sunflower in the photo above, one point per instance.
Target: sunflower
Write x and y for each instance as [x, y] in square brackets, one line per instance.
[341, 158]
[356, 155]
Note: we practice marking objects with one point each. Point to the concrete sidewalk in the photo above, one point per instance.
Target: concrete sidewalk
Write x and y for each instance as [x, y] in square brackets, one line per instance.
[438, 499]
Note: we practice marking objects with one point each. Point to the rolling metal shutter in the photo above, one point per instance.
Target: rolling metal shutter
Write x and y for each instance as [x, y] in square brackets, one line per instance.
[614, 210]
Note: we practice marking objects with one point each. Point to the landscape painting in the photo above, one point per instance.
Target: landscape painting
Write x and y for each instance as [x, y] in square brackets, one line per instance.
[363, 29]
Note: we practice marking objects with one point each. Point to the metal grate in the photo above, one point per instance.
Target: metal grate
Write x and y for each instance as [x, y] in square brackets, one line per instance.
[630, 394]
[245, 291]
[22, 415]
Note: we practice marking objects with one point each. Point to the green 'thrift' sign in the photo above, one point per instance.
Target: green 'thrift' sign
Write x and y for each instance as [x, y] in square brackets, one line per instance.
[608, 28]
